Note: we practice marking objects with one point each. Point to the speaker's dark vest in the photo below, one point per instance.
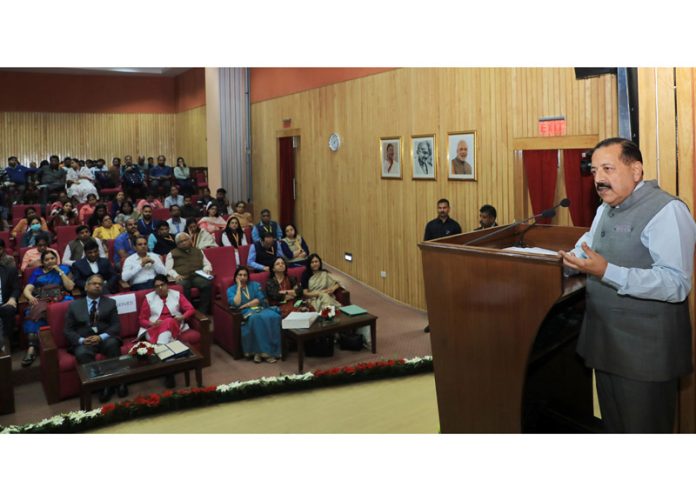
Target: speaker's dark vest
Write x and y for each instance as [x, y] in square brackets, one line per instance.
[640, 339]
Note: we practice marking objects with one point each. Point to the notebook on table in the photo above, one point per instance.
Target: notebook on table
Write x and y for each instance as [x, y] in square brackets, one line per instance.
[352, 310]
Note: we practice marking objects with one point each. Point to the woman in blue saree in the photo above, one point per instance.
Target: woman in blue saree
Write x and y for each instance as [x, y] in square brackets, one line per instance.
[261, 326]
[49, 282]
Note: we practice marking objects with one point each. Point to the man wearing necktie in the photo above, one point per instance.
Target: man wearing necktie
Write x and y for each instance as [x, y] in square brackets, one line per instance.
[92, 326]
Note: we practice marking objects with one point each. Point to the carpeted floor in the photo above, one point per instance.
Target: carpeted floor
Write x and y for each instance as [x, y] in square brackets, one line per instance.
[399, 335]
[403, 405]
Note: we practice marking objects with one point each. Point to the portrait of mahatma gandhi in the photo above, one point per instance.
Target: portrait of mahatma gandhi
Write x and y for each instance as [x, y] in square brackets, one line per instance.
[423, 154]
[461, 155]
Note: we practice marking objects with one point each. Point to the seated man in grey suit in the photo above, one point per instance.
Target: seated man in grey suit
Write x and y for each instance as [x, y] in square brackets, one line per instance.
[92, 326]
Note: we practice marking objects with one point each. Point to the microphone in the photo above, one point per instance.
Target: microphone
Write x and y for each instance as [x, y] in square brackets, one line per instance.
[548, 213]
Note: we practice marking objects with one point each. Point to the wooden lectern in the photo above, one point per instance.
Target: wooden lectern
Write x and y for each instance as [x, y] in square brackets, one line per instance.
[485, 307]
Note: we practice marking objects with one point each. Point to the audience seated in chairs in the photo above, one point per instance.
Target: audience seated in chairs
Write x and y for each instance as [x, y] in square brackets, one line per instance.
[174, 198]
[127, 211]
[87, 210]
[150, 200]
[147, 224]
[161, 242]
[189, 209]
[140, 269]
[50, 282]
[182, 177]
[9, 292]
[261, 330]
[92, 264]
[161, 176]
[32, 256]
[201, 238]
[221, 202]
[262, 254]
[282, 290]
[108, 230]
[234, 236]
[92, 326]
[267, 226]
[318, 285]
[52, 179]
[116, 205]
[5, 259]
[75, 248]
[212, 222]
[176, 223]
[124, 244]
[96, 217]
[205, 199]
[66, 215]
[33, 232]
[240, 212]
[294, 247]
[79, 182]
[182, 264]
[21, 227]
[134, 182]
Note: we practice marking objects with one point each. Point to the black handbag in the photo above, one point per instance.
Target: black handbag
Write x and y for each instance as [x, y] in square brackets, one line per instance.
[351, 341]
[320, 347]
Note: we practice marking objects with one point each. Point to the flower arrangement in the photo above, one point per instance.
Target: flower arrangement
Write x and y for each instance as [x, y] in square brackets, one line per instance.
[328, 313]
[187, 398]
[142, 350]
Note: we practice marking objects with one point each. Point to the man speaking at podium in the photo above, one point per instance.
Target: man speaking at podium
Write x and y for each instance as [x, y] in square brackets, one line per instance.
[638, 257]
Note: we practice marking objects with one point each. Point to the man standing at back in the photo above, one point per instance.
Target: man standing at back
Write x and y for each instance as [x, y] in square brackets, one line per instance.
[638, 257]
[441, 226]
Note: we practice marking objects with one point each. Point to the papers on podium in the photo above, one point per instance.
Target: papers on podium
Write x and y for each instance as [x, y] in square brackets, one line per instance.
[300, 320]
[173, 349]
[533, 250]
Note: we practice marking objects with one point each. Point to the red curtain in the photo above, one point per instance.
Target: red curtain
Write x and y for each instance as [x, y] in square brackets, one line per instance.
[287, 177]
[541, 169]
[580, 189]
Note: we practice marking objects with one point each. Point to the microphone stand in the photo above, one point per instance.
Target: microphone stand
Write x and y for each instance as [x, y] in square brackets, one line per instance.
[547, 213]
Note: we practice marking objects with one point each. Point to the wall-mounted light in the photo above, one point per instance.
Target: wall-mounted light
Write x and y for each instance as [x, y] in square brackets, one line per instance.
[348, 257]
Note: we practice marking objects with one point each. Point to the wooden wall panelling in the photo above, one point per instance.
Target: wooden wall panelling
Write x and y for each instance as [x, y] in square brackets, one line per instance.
[344, 205]
[191, 137]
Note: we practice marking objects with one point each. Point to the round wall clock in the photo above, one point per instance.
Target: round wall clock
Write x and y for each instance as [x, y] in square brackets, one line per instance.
[334, 141]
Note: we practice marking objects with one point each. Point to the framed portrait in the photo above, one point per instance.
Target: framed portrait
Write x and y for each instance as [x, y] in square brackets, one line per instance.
[461, 155]
[423, 156]
[390, 157]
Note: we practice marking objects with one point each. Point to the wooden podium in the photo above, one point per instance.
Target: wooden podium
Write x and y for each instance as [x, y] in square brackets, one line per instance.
[485, 307]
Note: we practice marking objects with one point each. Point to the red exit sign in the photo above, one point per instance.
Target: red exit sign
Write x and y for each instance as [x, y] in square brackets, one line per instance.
[552, 126]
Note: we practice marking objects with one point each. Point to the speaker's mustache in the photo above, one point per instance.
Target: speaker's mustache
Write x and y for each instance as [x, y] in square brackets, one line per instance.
[603, 185]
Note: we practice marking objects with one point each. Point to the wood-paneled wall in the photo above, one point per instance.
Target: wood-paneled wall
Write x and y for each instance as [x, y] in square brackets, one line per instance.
[191, 136]
[34, 136]
[344, 206]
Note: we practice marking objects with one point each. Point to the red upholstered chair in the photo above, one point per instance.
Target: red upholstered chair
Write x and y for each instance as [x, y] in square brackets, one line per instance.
[224, 264]
[109, 193]
[58, 366]
[217, 235]
[201, 177]
[244, 254]
[247, 232]
[111, 249]
[9, 242]
[63, 236]
[161, 214]
[19, 210]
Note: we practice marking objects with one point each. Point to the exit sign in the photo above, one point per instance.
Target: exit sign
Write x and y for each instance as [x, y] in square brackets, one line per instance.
[552, 126]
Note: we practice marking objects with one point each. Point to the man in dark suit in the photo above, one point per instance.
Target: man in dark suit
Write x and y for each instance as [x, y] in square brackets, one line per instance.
[92, 264]
[9, 290]
[92, 326]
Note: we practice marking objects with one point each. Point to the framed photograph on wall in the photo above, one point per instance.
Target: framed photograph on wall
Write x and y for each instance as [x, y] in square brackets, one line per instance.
[461, 155]
[423, 156]
[390, 157]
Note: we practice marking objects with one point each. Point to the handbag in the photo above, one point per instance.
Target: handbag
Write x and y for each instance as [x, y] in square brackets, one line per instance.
[351, 341]
[320, 347]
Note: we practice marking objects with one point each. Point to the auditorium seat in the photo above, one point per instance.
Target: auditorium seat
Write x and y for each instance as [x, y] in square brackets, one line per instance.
[63, 236]
[19, 210]
[160, 214]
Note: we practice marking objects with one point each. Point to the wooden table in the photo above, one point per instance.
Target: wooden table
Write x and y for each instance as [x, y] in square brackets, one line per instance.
[126, 369]
[341, 322]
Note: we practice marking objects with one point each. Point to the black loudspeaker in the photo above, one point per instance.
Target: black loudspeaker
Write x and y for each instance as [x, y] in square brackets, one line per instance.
[632, 82]
[581, 73]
